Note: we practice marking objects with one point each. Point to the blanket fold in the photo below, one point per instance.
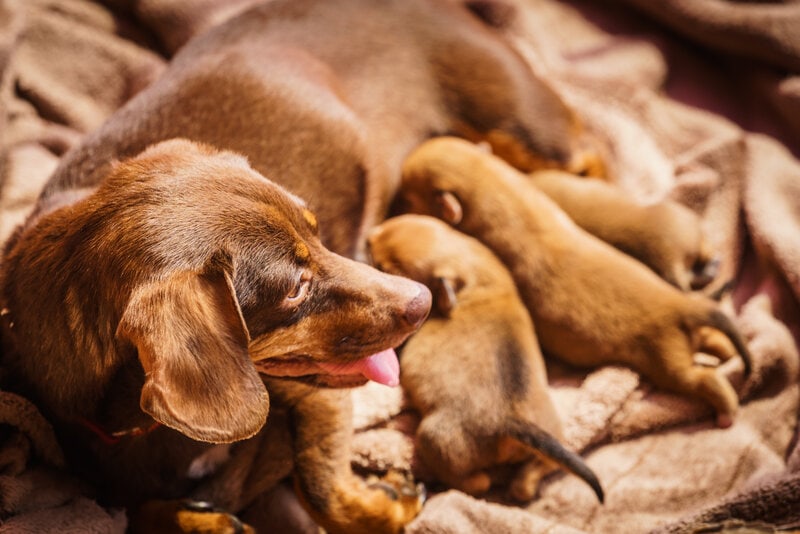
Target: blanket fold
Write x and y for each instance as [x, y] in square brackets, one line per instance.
[721, 138]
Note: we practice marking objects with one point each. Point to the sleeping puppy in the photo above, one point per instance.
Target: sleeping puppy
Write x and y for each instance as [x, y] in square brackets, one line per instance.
[141, 314]
[666, 236]
[590, 303]
[329, 109]
[475, 372]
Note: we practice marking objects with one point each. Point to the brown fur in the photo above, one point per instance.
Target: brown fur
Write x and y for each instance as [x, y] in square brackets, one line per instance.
[329, 109]
[475, 372]
[326, 108]
[666, 236]
[591, 304]
[169, 288]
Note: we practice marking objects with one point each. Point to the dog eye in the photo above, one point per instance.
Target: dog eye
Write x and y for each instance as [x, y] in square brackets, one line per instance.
[301, 288]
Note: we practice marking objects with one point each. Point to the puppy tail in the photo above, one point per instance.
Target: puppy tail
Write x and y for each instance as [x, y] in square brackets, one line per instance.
[547, 445]
[715, 318]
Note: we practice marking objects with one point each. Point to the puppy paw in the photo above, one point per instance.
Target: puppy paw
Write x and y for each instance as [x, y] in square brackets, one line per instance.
[724, 420]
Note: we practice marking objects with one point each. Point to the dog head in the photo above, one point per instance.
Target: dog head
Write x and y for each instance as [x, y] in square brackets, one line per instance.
[210, 274]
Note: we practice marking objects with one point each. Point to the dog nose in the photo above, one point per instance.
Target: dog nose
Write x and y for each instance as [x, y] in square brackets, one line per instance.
[419, 306]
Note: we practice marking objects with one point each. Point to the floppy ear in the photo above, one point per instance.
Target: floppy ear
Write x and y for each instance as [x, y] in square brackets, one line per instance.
[192, 343]
[444, 295]
[449, 207]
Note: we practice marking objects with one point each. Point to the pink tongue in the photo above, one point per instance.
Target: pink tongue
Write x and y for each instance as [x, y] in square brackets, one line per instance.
[382, 367]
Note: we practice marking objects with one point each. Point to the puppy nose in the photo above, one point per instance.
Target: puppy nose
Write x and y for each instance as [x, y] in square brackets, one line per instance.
[419, 306]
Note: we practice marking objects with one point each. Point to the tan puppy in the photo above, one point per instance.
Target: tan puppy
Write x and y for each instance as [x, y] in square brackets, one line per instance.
[666, 236]
[475, 372]
[591, 304]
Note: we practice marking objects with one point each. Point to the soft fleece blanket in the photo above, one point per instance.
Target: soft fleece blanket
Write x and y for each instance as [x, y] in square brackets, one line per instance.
[697, 100]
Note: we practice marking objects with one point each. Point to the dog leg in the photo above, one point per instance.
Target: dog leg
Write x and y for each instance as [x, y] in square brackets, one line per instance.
[335, 497]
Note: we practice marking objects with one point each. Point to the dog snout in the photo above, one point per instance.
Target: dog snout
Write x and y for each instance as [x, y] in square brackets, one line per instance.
[419, 306]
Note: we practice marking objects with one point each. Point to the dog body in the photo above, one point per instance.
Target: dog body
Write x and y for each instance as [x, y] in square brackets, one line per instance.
[325, 107]
[475, 372]
[666, 236]
[329, 108]
[169, 288]
[590, 303]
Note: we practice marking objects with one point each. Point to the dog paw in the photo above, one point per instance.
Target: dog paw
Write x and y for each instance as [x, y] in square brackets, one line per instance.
[200, 517]
[186, 517]
[376, 505]
[399, 487]
[385, 505]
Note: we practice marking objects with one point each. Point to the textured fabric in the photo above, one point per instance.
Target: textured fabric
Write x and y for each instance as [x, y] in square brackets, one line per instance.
[712, 126]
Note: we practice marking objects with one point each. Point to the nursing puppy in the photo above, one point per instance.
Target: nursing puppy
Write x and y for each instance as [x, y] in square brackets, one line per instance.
[474, 372]
[666, 236]
[590, 303]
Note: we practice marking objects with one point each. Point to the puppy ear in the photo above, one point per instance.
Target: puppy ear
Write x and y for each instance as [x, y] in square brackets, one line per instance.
[449, 207]
[192, 343]
[444, 295]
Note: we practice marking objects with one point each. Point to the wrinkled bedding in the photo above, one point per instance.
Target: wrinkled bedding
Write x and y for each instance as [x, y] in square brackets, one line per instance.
[696, 100]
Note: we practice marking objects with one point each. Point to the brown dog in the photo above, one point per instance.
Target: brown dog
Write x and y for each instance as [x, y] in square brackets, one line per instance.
[326, 108]
[146, 308]
[666, 236]
[475, 373]
[329, 109]
[590, 303]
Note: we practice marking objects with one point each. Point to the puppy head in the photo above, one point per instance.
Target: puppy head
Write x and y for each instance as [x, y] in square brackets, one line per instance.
[686, 259]
[429, 251]
[227, 278]
[446, 174]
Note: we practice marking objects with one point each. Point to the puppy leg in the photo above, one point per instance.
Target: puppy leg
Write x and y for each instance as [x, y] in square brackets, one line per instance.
[526, 482]
[447, 453]
[334, 496]
[712, 341]
[680, 375]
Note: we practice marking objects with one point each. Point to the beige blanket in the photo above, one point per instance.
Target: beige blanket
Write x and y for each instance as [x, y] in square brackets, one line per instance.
[676, 119]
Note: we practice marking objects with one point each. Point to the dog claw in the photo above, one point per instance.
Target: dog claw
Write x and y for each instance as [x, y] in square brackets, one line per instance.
[234, 524]
[399, 487]
[198, 506]
[387, 488]
[419, 491]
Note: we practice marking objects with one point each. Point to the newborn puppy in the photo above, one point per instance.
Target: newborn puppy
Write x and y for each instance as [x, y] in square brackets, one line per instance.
[475, 372]
[591, 304]
[666, 236]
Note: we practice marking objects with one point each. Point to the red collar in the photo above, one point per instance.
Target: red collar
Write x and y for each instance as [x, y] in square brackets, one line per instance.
[115, 437]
